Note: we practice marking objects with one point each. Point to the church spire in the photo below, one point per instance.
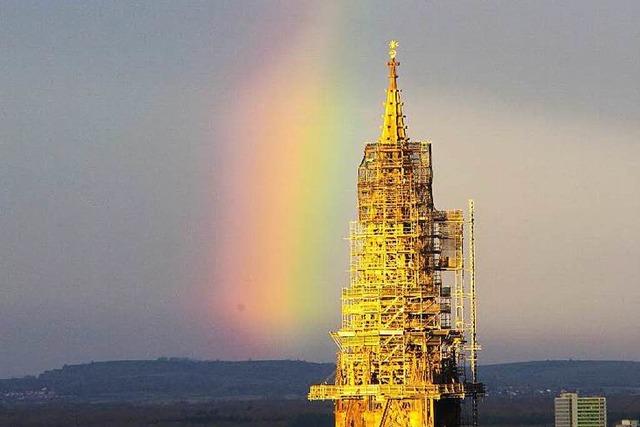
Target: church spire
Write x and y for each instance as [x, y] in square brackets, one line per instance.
[393, 128]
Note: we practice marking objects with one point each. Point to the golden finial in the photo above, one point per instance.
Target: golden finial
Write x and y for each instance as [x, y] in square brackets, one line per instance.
[393, 44]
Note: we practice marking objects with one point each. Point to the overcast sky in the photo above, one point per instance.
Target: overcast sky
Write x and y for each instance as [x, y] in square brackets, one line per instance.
[113, 115]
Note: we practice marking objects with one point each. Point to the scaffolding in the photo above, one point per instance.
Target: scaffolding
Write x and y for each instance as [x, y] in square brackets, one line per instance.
[401, 347]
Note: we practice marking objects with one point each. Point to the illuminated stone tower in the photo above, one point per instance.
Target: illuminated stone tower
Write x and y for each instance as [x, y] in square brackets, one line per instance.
[402, 350]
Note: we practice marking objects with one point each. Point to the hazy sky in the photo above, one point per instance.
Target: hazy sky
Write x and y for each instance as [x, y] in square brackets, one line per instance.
[123, 133]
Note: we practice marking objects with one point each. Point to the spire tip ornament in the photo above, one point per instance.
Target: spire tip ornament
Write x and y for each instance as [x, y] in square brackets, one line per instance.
[393, 45]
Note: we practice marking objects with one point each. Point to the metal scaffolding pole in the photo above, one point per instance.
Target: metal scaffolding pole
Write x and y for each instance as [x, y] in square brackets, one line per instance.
[474, 347]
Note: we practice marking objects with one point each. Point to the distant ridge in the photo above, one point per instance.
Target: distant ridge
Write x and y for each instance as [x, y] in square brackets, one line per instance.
[172, 379]
[599, 376]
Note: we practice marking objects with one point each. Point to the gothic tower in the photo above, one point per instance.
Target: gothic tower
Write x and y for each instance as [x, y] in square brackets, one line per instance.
[402, 348]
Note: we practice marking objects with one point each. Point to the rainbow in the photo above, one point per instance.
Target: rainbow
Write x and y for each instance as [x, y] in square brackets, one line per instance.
[283, 164]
